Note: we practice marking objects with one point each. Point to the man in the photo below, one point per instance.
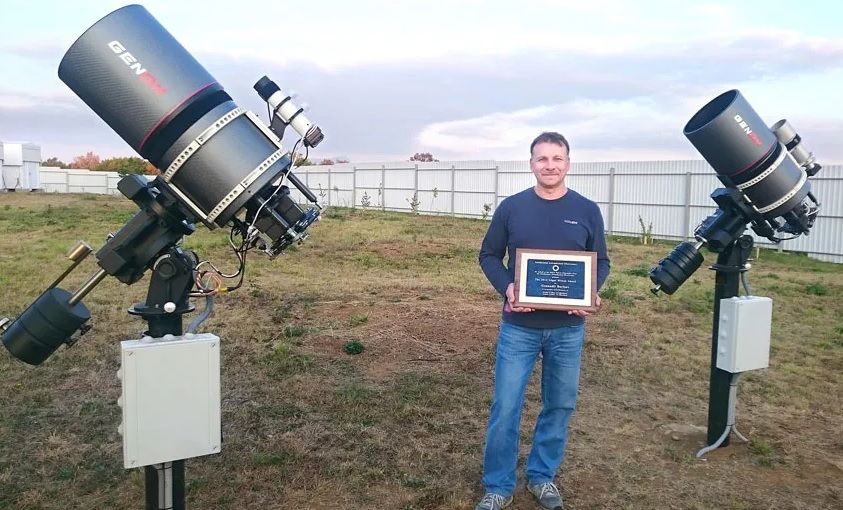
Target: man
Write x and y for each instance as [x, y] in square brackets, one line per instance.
[546, 216]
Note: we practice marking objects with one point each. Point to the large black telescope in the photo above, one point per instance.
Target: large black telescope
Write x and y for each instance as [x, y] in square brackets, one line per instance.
[219, 165]
[766, 173]
[214, 155]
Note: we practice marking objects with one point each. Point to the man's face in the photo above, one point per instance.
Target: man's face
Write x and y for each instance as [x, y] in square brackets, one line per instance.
[549, 164]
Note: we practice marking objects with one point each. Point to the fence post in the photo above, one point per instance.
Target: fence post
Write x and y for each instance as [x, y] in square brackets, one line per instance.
[416, 187]
[688, 181]
[383, 188]
[329, 186]
[453, 188]
[611, 226]
[354, 186]
[497, 184]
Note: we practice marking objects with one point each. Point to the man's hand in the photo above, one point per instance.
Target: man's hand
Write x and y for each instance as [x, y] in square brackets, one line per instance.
[583, 313]
[510, 298]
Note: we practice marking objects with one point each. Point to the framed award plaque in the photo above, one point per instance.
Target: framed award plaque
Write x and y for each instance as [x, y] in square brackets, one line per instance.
[556, 279]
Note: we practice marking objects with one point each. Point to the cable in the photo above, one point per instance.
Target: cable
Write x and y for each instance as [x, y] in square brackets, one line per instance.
[745, 283]
[238, 252]
[248, 233]
[730, 419]
[209, 293]
[216, 274]
[209, 307]
[251, 230]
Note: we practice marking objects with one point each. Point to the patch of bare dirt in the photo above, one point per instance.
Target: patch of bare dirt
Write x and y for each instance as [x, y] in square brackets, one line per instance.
[404, 331]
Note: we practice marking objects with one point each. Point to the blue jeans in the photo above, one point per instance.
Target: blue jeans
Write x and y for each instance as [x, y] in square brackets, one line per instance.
[517, 351]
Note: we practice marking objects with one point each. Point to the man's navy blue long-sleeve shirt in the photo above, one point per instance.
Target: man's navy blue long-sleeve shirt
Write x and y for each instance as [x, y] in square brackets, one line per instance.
[525, 220]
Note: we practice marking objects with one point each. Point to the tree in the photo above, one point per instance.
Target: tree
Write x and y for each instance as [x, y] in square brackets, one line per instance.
[302, 161]
[334, 161]
[88, 162]
[423, 157]
[54, 162]
[124, 165]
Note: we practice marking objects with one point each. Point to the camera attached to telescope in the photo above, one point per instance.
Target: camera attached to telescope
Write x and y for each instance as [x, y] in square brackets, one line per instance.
[766, 172]
[219, 164]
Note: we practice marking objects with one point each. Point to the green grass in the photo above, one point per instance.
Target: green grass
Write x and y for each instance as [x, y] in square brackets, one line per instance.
[357, 372]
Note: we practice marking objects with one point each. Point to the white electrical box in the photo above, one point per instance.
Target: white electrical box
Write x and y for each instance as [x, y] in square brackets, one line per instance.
[171, 398]
[743, 341]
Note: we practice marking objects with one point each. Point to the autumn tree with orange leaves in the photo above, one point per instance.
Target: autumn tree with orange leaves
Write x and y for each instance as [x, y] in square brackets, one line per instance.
[122, 165]
[89, 161]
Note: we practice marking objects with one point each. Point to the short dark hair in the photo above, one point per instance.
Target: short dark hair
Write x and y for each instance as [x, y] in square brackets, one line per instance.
[550, 137]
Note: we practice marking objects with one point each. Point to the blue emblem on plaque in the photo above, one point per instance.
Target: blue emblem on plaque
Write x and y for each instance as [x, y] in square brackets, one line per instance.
[555, 279]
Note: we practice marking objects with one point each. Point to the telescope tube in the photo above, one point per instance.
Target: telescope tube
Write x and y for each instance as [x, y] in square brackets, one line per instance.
[733, 139]
[151, 91]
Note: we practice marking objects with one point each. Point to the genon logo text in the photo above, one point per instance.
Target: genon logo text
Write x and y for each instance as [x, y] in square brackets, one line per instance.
[143, 75]
[746, 129]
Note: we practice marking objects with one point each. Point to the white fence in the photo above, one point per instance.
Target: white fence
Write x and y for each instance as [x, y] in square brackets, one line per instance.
[58, 180]
[672, 196]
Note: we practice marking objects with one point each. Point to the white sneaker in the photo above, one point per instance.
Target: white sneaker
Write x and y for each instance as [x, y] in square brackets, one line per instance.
[492, 501]
[547, 495]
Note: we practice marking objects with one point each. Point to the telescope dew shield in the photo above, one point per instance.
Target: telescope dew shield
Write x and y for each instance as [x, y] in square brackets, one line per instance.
[740, 147]
[42, 328]
[159, 99]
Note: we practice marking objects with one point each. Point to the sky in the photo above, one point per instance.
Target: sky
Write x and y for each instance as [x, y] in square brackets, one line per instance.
[462, 79]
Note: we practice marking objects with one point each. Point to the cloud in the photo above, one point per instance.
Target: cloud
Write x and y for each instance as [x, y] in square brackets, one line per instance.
[594, 128]
[599, 131]
[713, 11]
[622, 103]
[61, 131]
[15, 99]
[627, 106]
[48, 50]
